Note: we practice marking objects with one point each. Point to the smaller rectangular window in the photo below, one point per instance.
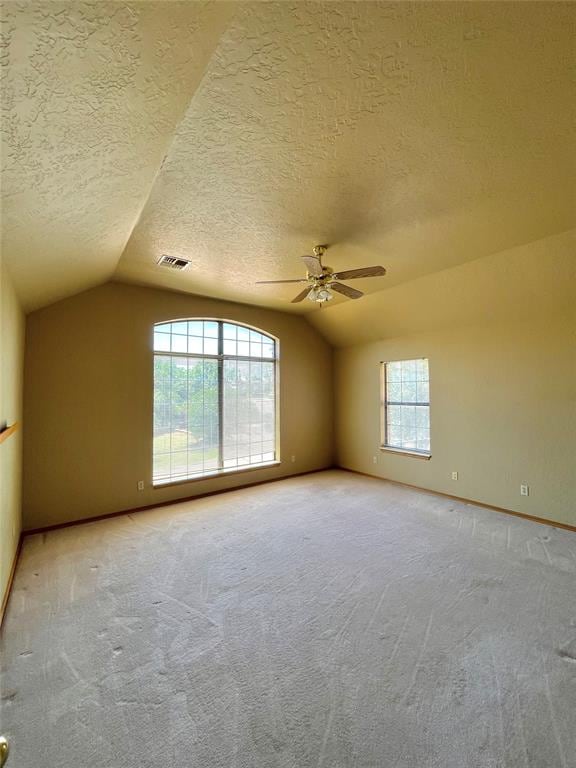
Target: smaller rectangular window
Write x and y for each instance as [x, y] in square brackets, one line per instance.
[406, 407]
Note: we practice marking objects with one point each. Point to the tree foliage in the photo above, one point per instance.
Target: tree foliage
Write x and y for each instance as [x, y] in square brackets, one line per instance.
[186, 392]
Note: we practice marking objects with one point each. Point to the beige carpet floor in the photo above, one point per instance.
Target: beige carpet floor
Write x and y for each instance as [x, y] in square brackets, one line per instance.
[327, 621]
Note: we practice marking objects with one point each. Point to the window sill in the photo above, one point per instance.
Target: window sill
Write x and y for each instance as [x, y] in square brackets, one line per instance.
[406, 452]
[216, 473]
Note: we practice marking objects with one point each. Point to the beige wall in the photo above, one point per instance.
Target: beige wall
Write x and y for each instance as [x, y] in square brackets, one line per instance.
[11, 366]
[500, 334]
[88, 400]
[502, 379]
[502, 413]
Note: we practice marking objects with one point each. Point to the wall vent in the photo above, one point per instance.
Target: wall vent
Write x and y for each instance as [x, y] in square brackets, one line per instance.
[172, 262]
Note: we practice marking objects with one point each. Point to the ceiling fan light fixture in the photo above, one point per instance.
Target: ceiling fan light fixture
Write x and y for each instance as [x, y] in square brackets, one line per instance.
[320, 295]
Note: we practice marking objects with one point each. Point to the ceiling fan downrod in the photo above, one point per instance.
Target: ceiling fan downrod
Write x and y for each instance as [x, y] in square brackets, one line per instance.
[319, 250]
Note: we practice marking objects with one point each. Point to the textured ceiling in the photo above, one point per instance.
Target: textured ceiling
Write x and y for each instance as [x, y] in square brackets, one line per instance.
[418, 136]
[91, 96]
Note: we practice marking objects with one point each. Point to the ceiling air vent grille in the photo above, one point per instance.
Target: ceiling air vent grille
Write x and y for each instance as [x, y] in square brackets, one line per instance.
[172, 262]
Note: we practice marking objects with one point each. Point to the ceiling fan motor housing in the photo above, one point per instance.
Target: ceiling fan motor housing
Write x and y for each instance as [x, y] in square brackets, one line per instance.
[319, 291]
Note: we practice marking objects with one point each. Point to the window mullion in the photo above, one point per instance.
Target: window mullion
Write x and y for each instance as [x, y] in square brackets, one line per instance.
[188, 407]
[171, 413]
[220, 396]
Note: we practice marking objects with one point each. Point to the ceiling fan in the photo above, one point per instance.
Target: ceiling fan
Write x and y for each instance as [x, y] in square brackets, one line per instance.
[322, 280]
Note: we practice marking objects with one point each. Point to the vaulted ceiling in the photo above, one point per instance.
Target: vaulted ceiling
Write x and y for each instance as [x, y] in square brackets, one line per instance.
[414, 135]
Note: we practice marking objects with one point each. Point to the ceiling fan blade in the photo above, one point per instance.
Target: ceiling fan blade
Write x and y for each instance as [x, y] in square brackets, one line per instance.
[301, 296]
[277, 282]
[352, 293]
[350, 274]
[313, 265]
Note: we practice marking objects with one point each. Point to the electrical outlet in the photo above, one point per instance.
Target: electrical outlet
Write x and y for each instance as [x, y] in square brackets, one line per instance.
[292, 459]
[454, 475]
[524, 489]
[140, 485]
[374, 459]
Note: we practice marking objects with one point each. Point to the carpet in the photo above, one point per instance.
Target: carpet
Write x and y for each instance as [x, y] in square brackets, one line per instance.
[326, 621]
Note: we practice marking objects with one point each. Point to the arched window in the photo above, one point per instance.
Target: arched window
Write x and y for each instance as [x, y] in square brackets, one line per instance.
[214, 399]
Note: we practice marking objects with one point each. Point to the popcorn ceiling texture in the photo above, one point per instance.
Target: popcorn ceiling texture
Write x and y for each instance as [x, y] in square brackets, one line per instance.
[92, 93]
[416, 135]
[331, 621]
[398, 132]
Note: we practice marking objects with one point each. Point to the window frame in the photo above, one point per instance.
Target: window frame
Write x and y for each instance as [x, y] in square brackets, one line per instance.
[385, 447]
[220, 357]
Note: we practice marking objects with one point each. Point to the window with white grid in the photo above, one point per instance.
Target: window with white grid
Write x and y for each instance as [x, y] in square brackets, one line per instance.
[214, 399]
[406, 406]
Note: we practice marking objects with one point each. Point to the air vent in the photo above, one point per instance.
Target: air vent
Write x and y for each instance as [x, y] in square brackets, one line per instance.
[172, 262]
